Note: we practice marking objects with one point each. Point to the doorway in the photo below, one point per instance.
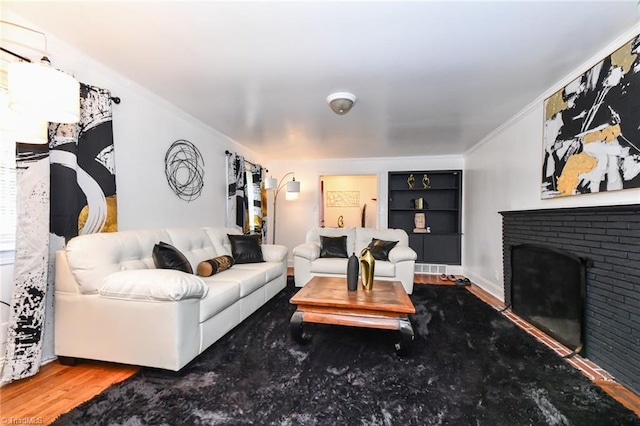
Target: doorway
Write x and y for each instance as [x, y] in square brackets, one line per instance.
[348, 201]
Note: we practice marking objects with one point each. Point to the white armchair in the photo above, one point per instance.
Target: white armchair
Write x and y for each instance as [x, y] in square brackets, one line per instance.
[307, 262]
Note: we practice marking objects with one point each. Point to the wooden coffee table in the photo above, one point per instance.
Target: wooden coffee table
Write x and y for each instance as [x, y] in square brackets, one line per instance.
[326, 300]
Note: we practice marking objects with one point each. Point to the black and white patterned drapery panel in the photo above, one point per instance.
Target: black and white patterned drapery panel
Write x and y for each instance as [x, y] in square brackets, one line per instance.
[246, 196]
[263, 207]
[80, 170]
[236, 200]
[83, 180]
[27, 311]
[256, 216]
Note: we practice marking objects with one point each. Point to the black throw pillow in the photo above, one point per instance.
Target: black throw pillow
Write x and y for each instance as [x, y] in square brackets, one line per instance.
[245, 248]
[380, 248]
[166, 256]
[333, 246]
[209, 267]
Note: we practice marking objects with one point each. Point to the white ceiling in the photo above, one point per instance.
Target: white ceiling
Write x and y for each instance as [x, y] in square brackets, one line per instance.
[432, 78]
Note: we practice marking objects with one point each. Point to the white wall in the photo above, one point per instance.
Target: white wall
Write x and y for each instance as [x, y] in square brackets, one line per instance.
[295, 218]
[144, 127]
[504, 172]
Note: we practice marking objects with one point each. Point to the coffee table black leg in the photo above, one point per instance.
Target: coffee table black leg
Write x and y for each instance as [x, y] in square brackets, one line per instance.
[403, 347]
[295, 327]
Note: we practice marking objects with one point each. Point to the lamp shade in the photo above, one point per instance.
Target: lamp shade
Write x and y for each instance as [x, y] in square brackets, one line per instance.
[291, 196]
[293, 186]
[43, 92]
[29, 130]
[270, 183]
[20, 127]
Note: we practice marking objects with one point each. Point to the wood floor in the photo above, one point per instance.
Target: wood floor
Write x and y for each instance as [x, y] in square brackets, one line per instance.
[57, 389]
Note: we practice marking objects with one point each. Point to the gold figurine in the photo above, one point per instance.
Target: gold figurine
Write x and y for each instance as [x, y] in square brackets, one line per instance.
[425, 181]
[411, 181]
[368, 264]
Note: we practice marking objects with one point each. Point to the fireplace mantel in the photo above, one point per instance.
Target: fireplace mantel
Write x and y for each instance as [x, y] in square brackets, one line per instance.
[609, 208]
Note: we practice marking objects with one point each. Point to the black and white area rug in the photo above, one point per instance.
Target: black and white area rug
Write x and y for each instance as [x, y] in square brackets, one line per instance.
[470, 366]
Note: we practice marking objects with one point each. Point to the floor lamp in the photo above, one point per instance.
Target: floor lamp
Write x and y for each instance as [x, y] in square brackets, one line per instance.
[293, 188]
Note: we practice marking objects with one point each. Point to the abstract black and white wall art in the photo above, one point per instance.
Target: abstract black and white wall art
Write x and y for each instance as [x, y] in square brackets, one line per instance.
[27, 308]
[592, 129]
[184, 169]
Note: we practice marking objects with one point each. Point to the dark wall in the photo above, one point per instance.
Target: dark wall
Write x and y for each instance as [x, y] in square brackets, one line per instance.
[610, 237]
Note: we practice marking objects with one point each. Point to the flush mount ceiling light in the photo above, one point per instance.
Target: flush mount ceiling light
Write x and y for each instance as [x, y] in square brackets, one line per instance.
[341, 102]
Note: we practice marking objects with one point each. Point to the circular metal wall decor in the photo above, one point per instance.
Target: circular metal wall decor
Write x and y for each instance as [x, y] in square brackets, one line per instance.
[183, 167]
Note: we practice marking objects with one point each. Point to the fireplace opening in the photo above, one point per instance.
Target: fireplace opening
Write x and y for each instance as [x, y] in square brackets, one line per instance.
[548, 287]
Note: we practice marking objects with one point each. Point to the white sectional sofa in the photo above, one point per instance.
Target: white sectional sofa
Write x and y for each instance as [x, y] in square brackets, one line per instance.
[111, 303]
[307, 262]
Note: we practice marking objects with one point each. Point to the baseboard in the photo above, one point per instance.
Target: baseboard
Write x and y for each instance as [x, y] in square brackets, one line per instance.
[495, 289]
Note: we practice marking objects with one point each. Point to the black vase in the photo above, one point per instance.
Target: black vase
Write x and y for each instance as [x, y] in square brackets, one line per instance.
[352, 273]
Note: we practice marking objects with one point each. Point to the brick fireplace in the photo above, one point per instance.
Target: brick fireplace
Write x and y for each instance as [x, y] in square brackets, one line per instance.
[610, 237]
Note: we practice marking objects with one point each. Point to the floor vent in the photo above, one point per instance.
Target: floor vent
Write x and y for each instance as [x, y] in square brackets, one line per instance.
[426, 268]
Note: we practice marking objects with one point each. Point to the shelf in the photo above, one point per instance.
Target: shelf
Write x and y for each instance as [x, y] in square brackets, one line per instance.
[429, 172]
[449, 188]
[435, 233]
[443, 213]
[422, 210]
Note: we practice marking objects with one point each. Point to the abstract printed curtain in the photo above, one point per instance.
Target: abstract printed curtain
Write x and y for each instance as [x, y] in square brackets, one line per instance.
[83, 181]
[246, 197]
[235, 192]
[27, 307]
[256, 214]
[79, 168]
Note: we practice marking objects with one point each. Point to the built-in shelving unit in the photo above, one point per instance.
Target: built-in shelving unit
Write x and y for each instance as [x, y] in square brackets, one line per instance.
[442, 205]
